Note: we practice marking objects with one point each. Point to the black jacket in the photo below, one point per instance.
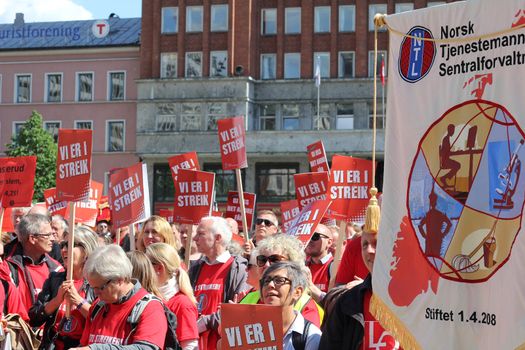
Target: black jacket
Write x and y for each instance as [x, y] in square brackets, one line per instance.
[344, 326]
[37, 316]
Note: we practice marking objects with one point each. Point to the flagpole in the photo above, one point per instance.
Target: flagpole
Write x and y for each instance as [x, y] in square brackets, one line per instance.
[318, 84]
[383, 91]
[318, 98]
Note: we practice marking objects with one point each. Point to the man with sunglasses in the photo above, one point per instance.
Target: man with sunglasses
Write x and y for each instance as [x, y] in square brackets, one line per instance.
[320, 259]
[29, 262]
[266, 225]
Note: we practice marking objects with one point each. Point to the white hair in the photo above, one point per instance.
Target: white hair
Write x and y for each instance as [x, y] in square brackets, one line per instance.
[108, 262]
[220, 226]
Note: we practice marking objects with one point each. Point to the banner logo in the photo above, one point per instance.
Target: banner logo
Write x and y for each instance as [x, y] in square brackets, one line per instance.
[416, 56]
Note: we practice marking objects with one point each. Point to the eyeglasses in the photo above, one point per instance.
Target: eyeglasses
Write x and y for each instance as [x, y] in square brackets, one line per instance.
[102, 287]
[262, 259]
[45, 235]
[277, 281]
[317, 236]
[266, 222]
[65, 244]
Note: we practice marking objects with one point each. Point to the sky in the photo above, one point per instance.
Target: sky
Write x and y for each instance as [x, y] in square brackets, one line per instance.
[65, 10]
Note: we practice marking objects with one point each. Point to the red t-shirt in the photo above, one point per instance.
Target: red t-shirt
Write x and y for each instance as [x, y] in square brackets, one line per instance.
[321, 274]
[351, 263]
[375, 336]
[110, 325]
[75, 327]
[209, 291]
[187, 315]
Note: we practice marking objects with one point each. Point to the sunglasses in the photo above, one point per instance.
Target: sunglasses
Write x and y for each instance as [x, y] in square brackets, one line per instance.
[262, 259]
[317, 236]
[266, 222]
[277, 281]
[65, 244]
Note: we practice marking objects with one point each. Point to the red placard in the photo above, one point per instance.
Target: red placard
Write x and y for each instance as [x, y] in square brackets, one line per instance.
[167, 214]
[303, 227]
[232, 139]
[193, 196]
[73, 164]
[310, 187]
[17, 176]
[317, 157]
[289, 210]
[85, 212]
[7, 222]
[249, 327]
[349, 187]
[188, 161]
[129, 195]
[233, 207]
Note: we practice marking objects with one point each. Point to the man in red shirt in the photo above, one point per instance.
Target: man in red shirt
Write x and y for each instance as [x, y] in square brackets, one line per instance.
[28, 262]
[320, 259]
[351, 270]
[216, 277]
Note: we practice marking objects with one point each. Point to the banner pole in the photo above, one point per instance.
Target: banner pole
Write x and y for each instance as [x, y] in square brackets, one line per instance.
[187, 251]
[338, 253]
[117, 242]
[71, 245]
[246, 234]
[132, 246]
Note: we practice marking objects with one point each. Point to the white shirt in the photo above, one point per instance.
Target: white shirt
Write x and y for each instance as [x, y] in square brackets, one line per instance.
[312, 340]
[221, 259]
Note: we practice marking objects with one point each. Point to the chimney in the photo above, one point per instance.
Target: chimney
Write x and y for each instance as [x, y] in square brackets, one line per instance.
[19, 19]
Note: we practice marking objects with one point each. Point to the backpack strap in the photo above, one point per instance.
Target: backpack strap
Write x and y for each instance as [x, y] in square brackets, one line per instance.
[299, 340]
[98, 306]
[6, 290]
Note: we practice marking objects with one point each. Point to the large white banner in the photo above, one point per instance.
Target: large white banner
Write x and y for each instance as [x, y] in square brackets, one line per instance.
[450, 266]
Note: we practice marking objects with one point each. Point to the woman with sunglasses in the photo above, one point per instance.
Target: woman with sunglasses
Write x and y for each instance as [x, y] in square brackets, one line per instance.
[283, 284]
[283, 248]
[49, 309]
[175, 286]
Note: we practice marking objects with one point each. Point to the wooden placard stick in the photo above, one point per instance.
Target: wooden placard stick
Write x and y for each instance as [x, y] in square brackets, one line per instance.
[245, 232]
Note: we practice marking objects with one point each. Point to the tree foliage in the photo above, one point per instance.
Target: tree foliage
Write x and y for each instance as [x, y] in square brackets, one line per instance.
[33, 140]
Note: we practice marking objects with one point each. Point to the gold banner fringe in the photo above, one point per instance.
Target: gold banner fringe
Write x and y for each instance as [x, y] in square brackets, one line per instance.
[392, 324]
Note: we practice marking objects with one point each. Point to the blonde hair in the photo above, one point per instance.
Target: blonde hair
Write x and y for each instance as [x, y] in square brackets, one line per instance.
[163, 227]
[143, 271]
[162, 253]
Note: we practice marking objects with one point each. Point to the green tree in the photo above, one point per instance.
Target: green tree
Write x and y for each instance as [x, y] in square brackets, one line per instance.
[33, 140]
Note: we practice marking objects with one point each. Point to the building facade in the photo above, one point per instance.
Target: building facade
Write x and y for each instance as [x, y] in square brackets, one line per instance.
[203, 60]
[77, 74]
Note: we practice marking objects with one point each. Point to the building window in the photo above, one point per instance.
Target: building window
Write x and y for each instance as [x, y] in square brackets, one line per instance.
[268, 66]
[166, 117]
[52, 129]
[380, 56]
[170, 20]
[404, 7]
[84, 87]
[193, 64]
[380, 114]
[435, 3]
[116, 86]
[269, 21]
[216, 111]
[292, 20]
[345, 117]
[324, 62]
[219, 18]
[267, 117]
[84, 124]
[347, 18]
[323, 122]
[374, 9]
[274, 181]
[290, 115]
[292, 65]
[218, 63]
[54, 87]
[17, 127]
[346, 64]
[163, 188]
[191, 117]
[322, 19]
[225, 180]
[194, 19]
[168, 65]
[115, 136]
[23, 88]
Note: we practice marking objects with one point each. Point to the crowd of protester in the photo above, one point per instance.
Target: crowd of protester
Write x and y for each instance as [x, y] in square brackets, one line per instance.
[109, 280]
